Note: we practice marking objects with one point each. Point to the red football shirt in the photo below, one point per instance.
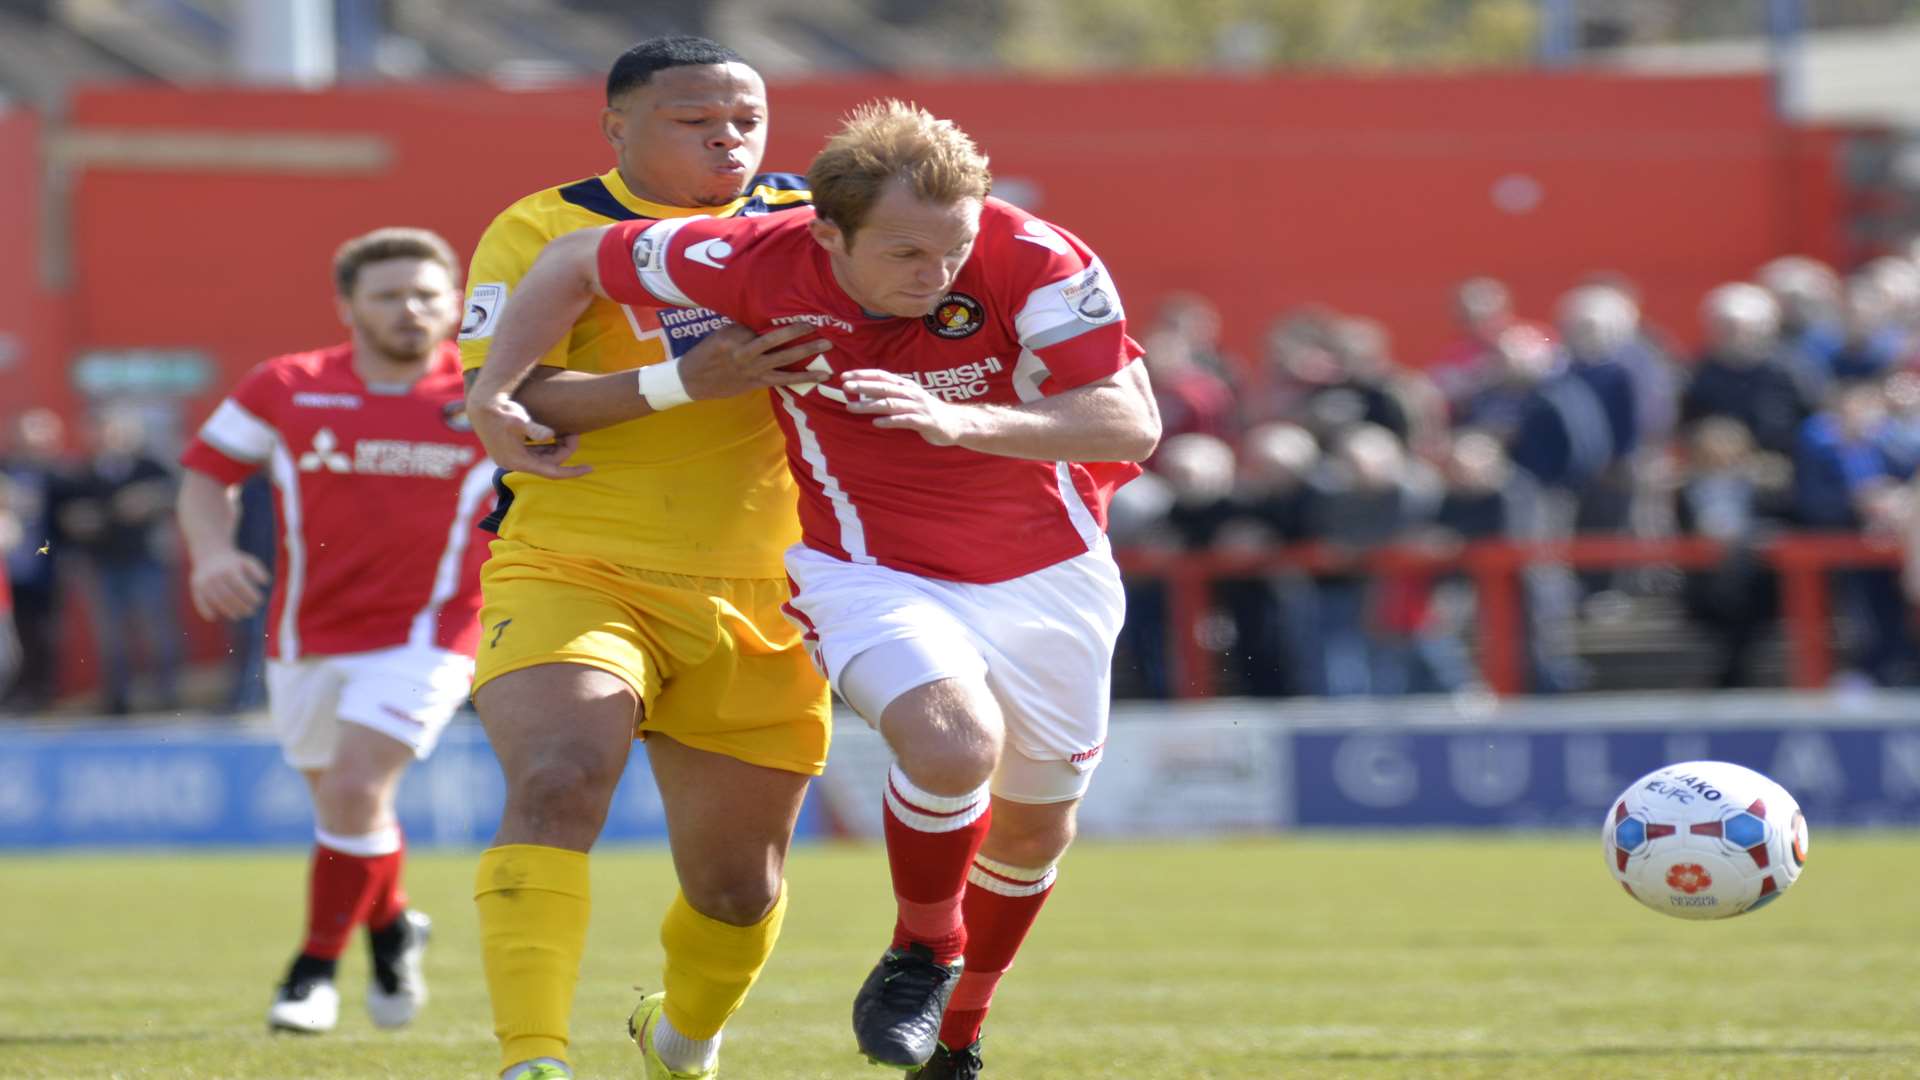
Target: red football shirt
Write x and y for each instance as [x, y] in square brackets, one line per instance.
[379, 492]
[1032, 313]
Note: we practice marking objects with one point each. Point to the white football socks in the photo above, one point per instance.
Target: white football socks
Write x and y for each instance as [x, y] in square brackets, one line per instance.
[681, 1053]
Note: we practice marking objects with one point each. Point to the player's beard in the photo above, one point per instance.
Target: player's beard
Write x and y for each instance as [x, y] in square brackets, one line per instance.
[401, 349]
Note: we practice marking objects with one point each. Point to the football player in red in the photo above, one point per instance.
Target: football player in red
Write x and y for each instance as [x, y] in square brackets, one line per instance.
[380, 483]
[980, 403]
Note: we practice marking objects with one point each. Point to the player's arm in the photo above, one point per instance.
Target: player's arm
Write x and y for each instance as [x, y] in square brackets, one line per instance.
[575, 401]
[555, 292]
[226, 583]
[1110, 419]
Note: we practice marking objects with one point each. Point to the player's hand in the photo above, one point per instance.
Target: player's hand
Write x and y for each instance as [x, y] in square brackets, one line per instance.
[733, 360]
[229, 585]
[895, 401]
[519, 443]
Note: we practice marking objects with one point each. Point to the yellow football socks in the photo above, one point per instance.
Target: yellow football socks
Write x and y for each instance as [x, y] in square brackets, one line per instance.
[533, 903]
[711, 965]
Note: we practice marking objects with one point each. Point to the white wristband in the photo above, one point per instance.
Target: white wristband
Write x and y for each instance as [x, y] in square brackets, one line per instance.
[660, 384]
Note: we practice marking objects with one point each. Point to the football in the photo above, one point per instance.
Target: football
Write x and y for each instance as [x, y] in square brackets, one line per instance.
[1705, 840]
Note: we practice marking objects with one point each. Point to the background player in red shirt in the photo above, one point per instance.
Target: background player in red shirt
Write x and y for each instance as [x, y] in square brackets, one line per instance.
[371, 626]
[954, 578]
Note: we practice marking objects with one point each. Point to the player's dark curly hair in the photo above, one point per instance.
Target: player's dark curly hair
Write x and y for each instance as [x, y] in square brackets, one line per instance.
[638, 64]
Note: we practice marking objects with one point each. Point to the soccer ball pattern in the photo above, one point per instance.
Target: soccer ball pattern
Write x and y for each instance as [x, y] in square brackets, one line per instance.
[1705, 840]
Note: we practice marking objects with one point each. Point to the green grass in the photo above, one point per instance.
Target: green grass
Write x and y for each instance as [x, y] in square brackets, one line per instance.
[1318, 956]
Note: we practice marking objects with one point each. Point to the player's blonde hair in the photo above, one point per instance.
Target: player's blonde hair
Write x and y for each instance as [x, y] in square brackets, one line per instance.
[888, 140]
[393, 242]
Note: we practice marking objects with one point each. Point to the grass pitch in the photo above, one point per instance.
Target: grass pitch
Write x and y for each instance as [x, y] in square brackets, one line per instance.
[1315, 956]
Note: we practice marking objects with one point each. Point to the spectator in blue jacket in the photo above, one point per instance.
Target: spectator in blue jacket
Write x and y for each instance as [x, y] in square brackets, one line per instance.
[1741, 374]
[1842, 475]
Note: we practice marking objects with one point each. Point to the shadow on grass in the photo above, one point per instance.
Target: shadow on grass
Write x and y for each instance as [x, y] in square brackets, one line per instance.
[1604, 1052]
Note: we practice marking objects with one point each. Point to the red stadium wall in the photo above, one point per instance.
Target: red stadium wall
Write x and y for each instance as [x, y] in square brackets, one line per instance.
[1370, 194]
[32, 349]
[204, 220]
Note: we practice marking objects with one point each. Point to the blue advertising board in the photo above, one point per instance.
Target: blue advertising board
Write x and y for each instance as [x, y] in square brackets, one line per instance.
[130, 785]
[1843, 769]
[1170, 769]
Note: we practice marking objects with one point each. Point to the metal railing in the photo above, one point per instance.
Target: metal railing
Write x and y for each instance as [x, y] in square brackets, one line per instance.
[1801, 561]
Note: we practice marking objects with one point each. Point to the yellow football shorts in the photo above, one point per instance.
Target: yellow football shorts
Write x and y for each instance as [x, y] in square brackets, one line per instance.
[714, 662]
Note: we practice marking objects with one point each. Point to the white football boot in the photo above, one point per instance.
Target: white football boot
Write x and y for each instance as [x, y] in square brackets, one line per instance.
[399, 986]
[307, 1007]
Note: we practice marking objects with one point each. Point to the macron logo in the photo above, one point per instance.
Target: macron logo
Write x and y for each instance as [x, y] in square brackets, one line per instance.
[822, 321]
[307, 399]
[710, 252]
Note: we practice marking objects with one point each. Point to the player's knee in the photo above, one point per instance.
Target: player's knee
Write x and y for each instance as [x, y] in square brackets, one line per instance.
[737, 898]
[948, 768]
[561, 790]
[1032, 843]
[946, 745]
[349, 802]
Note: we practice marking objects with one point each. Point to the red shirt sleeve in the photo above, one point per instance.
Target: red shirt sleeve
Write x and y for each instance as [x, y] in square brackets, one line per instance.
[1067, 309]
[238, 437]
[678, 262]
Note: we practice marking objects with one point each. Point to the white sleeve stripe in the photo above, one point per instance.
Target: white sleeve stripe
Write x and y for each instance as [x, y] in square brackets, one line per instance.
[1066, 331]
[1047, 316]
[237, 433]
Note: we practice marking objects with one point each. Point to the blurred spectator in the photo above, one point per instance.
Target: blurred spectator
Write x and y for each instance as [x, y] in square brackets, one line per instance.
[1483, 309]
[1900, 432]
[1872, 343]
[1488, 499]
[1270, 490]
[1649, 361]
[1368, 493]
[1899, 280]
[1192, 398]
[1272, 615]
[1741, 374]
[1299, 360]
[32, 469]
[1808, 292]
[1840, 463]
[1190, 482]
[1522, 358]
[1562, 438]
[1600, 330]
[1197, 321]
[1842, 480]
[1739, 496]
[9, 641]
[113, 512]
[1600, 326]
[1368, 388]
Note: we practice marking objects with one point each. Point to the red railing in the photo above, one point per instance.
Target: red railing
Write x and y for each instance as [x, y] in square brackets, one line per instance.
[1801, 562]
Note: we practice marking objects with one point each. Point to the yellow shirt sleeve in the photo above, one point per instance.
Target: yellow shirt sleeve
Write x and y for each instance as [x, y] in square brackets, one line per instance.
[505, 252]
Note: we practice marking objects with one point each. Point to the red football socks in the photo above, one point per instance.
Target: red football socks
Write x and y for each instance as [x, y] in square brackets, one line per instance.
[351, 875]
[931, 843]
[1000, 906]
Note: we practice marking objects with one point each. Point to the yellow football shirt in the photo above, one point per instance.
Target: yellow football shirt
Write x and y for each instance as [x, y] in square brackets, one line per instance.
[701, 489]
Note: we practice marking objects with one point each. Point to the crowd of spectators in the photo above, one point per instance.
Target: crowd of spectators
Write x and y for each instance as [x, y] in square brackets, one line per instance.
[1801, 410]
[96, 518]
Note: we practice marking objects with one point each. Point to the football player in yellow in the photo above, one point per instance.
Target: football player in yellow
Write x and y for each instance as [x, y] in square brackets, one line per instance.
[640, 595]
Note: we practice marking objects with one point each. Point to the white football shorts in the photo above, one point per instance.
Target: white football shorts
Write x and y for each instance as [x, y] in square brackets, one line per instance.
[408, 693]
[1043, 641]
